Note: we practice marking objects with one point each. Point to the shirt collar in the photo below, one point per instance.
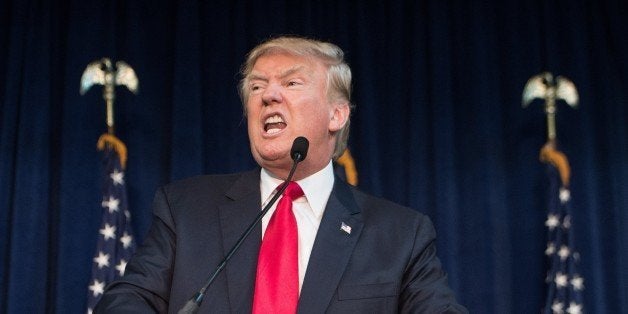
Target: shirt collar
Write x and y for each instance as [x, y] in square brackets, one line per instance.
[317, 187]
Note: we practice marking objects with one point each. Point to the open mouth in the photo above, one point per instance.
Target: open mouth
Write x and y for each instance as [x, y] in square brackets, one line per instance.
[274, 124]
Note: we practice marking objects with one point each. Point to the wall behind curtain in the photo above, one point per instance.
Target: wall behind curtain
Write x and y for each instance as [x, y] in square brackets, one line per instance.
[438, 126]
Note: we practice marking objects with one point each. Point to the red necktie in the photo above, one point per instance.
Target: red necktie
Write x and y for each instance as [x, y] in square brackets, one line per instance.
[277, 282]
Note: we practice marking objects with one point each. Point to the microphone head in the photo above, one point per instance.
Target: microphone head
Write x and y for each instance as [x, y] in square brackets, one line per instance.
[299, 148]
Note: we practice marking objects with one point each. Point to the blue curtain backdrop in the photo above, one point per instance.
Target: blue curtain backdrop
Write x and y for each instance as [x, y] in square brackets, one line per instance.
[438, 126]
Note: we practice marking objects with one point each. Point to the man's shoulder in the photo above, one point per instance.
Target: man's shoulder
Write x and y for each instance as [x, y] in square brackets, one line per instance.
[212, 179]
[379, 207]
[210, 184]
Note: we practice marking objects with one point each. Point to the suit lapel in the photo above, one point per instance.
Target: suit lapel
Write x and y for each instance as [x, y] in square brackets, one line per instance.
[235, 217]
[332, 250]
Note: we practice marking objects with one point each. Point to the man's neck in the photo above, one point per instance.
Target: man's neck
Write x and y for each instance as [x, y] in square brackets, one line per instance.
[303, 170]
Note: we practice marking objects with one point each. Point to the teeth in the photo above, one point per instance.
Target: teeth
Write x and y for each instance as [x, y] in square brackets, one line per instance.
[274, 119]
[274, 124]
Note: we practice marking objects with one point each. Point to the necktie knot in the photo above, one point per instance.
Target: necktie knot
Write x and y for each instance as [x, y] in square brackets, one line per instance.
[293, 191]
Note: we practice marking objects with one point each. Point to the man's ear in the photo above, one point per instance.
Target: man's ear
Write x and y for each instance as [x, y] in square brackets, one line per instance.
[339, 116]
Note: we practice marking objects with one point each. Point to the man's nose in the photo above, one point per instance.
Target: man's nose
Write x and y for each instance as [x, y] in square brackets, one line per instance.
[272, 94]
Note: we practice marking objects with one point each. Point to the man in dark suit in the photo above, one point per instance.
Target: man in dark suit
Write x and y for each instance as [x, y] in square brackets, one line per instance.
[356, 253]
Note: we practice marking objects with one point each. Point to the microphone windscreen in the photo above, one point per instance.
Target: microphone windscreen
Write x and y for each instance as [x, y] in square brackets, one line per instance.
[299, 148]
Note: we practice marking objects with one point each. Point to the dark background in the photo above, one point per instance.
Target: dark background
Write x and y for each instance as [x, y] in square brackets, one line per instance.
[438, 126]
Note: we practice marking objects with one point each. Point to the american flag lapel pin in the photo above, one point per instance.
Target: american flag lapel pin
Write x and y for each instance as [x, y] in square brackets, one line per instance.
[346, 228]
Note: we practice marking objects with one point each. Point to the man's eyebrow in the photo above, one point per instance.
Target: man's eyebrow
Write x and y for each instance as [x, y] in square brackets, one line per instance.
[256, 77]
[292, 70]
[282, 75]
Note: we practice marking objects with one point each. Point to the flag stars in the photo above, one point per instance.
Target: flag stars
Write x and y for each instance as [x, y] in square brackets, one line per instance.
[109, 232]
[561, 280]
[97, 288]
[577, 282]
[116, 242]
[564, 195]
[574, 308]
[126, 240]
[564, 282]
[117, 177]
[113, 204]
[552, 221]
[551, 249]
[102, 260]
[121, 267]
[557, 307]
[564, 252]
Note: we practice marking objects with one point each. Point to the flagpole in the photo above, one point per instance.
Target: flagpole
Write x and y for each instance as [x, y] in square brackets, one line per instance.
[115, 243]
[564, 283]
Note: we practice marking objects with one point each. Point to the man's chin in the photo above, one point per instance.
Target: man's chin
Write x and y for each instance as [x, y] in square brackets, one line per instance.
[274, 160]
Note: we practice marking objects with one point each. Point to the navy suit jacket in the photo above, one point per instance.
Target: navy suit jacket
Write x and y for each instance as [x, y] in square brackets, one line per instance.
[386, 264]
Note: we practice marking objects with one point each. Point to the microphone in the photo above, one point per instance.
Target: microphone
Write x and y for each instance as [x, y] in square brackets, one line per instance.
[299, 149]
[298, 154]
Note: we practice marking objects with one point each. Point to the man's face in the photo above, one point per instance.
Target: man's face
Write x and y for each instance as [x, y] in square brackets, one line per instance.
[288, 99]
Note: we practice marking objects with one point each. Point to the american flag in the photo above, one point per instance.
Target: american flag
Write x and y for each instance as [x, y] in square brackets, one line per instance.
[115, 237]
[564, 281]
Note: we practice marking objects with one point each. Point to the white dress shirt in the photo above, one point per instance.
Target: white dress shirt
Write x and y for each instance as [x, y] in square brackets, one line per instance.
[308, 209]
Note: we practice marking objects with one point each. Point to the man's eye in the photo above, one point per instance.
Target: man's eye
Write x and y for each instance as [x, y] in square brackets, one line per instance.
[293, 83]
